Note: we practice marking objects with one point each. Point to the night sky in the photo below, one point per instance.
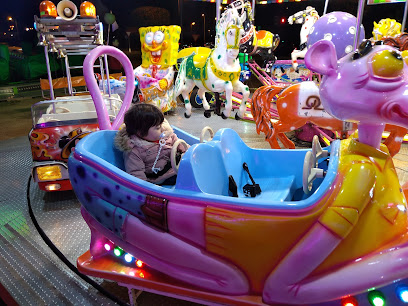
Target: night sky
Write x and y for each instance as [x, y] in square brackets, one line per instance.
[267, 17]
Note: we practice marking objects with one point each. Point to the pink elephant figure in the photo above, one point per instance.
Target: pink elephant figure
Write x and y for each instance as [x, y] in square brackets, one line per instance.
[368, 86]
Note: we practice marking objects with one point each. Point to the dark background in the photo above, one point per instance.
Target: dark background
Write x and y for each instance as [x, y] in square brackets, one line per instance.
[131, 14]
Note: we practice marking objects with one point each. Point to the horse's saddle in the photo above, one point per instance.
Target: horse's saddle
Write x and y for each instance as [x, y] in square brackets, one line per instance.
[264, 39]
[200, 58]
[196, 64]
[200, 55]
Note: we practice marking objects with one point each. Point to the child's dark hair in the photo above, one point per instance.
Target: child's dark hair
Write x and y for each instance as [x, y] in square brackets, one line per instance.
[141, 117]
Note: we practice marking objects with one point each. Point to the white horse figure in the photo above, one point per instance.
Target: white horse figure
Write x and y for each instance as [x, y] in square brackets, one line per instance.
[216, 70]
[307, 18]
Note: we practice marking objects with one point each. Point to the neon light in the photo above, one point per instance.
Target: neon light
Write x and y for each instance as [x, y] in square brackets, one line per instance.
[376, 298]
[402, 293]
[139, 263]
[118, 251]
[404, 296]
[107, 247]
[128, 258]
[349, 301]
[377, 301]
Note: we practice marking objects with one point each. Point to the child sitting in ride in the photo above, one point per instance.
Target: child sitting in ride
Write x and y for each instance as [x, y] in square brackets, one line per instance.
[146, 142]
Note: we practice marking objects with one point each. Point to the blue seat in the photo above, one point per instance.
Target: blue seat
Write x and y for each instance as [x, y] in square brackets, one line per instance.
[207, 166]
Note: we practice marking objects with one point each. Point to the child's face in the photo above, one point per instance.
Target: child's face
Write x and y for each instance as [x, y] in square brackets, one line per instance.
[154, 133]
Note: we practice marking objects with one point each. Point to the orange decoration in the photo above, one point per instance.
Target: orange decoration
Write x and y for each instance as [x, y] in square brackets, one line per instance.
[87, 9]
[48, 9]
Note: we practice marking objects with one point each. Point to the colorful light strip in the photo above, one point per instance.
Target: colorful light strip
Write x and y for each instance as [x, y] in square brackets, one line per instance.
[383, 1]
[265, 1]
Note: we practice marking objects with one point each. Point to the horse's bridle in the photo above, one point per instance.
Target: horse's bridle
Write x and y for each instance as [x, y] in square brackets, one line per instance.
[303, 14]
[236, 38]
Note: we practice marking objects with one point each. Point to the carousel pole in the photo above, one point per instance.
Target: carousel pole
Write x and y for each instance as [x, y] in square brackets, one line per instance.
[180, 11]
[217, 9]
[326, 3]
[359, 21]
[253, 8]
[404, 19]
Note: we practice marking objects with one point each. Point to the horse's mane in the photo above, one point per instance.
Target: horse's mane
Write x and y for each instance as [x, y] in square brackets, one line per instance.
[261, 105]
[400, 41]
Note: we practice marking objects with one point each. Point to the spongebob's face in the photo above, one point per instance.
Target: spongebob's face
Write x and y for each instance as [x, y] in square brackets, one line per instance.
[159, 45]
[155, 44]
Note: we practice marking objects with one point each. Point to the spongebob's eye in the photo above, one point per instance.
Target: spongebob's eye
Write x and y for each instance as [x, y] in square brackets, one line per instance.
[149, 38]
[158, 37]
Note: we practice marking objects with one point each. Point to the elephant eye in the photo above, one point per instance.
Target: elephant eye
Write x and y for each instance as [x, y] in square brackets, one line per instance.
[365, 47]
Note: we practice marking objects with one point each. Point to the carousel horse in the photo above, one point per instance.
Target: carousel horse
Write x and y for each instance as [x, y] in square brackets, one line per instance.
[306, 18]
[262, 43]
[297, 105]
[216, 70]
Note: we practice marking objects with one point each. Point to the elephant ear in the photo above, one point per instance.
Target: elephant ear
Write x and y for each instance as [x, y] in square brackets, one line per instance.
[321, 57]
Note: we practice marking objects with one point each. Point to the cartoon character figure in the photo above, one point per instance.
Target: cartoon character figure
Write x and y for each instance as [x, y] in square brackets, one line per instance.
[369, 214]
[386, 27]
[156, 74]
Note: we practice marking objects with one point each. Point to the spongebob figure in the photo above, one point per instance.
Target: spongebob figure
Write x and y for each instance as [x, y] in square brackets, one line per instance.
[156, 74]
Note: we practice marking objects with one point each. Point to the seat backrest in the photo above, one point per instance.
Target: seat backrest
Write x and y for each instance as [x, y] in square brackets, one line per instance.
[234, 152]
[101, 144]
[206, 166]
[209, 169]
[202, 169]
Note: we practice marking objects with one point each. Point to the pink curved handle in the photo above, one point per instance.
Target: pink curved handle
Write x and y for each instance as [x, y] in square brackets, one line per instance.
[101, 111]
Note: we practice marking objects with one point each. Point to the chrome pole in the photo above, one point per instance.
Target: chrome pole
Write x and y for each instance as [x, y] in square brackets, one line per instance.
[325, 7]
[359, 21]
[69, 80]
[47, 61]
[217, 9]
[404, 19]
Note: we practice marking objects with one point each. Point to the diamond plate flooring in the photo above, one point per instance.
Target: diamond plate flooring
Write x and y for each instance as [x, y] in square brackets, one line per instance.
[30, 271]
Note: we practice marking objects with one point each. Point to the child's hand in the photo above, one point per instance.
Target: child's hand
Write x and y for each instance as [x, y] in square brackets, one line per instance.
[163, 84]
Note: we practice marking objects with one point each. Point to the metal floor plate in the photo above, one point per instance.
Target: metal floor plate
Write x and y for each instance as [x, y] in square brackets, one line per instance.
[30, 271]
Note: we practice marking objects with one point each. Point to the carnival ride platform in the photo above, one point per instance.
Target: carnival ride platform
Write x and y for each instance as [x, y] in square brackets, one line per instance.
[32, 274]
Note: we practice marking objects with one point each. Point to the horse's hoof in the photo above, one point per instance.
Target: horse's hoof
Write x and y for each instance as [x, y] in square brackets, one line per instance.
[223, 116]
[187, 116]
[207, 114]
[237, 117]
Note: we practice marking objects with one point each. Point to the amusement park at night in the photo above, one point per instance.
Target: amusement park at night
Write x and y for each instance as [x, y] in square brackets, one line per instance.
[219, 152]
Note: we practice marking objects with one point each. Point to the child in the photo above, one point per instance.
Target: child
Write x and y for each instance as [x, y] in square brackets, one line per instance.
[146, 142]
